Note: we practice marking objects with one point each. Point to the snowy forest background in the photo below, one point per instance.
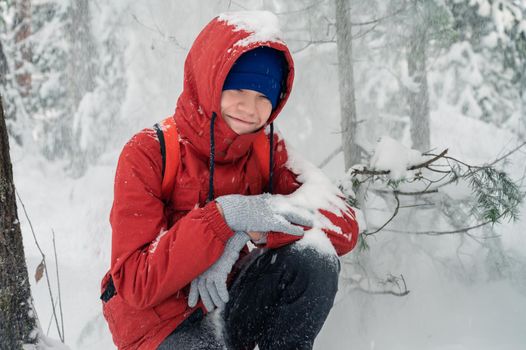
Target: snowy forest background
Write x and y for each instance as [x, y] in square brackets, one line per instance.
[78, 78]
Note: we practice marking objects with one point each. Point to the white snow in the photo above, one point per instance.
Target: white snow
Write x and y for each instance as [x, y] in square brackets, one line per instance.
[454, 302]
[317, 239]
[46, 343]
[393, 156]
[316, 192]
[262, 25]
[490, 40]
[484, 7]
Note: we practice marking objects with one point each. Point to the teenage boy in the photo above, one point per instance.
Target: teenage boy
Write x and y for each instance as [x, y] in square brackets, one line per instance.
[174, 246]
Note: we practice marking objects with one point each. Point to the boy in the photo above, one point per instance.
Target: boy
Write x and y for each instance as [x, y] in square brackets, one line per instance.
[172, 249]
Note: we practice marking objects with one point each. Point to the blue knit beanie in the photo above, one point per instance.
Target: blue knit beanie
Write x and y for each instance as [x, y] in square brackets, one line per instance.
[262, 70]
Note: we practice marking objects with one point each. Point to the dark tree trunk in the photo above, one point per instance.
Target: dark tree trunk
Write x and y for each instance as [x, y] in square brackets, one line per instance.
[346, 83]
[17, 322]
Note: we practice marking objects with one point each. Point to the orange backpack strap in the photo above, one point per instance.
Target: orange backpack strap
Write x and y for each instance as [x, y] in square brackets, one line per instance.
[169, 141]
[262, 153]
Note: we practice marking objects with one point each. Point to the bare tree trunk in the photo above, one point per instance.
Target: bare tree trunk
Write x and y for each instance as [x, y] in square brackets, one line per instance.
[346, 83]
[22, 28]
[17, 322]
[82, 70]
[418, 98]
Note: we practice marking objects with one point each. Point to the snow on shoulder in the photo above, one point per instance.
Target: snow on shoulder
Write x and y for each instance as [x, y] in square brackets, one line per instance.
[262, 25]
[395, 157]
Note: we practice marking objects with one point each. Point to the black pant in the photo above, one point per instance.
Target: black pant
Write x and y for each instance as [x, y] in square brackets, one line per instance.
[280, 301]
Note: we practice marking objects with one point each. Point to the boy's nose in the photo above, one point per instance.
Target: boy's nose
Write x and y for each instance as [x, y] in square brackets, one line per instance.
[248, 105]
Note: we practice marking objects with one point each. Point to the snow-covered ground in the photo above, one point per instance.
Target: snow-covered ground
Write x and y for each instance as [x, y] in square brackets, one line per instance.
[446, 310]
[442, 311]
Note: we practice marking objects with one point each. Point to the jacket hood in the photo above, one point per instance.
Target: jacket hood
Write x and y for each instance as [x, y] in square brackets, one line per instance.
[207, 65]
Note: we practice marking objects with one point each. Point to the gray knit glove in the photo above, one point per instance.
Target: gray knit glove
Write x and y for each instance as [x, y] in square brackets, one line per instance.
[211, 284]
[263, 213]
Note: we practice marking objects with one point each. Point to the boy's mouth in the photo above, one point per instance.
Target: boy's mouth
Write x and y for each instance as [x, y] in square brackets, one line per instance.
[240, 120]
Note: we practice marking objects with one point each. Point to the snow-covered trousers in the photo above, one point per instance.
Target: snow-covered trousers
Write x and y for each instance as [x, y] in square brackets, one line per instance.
[279, 301]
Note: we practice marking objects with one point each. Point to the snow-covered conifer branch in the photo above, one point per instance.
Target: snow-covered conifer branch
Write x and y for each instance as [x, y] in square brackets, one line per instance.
[397, 171]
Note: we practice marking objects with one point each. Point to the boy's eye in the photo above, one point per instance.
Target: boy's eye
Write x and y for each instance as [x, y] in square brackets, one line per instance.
[264, 96]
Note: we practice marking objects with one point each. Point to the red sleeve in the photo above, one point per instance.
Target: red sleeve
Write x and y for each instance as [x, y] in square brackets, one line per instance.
[148, 262]
[285, 182]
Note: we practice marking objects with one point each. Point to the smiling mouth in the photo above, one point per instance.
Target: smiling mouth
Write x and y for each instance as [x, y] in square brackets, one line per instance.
[240, 120]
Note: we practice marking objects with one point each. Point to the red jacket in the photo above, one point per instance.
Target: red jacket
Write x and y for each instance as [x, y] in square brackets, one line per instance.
[158, 248]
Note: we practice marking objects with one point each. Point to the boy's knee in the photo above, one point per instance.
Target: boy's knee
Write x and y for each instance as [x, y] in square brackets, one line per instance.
[309, 264]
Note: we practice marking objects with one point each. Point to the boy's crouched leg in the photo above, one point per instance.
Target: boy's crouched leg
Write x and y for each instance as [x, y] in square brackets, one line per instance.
[195, 333]
[282, 299]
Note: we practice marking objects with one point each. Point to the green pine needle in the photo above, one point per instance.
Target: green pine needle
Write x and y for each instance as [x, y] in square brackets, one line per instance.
[496, 196]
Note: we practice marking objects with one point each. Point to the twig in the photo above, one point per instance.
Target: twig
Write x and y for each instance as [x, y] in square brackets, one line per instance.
[330, 156]
[417, 193]
[454, 159]
[425, 164]
[45, 265]
[237, 4]
[366, 171]
[356, 283]
[315, 4]
[417, 205]
[405, 285]
[508, 154]
[170, 38]
[391, 280]
[388, 221]
[312, 42]
[438, 171]
[376, 20]
[58, 287]
[364, 33]
[50, 321]
[398, 294]
[461, 230]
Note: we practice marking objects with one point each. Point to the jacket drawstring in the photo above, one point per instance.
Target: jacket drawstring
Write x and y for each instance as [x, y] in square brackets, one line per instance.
[212, 160]
[271, 172]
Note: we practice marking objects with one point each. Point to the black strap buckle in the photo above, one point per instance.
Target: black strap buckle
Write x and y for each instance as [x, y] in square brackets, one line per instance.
[109, 292]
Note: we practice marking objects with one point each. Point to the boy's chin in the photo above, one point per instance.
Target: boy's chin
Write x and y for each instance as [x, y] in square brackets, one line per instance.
[243, 130]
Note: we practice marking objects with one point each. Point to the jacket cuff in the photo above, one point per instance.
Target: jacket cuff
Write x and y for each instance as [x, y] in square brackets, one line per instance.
[277, 239]
[216, 222]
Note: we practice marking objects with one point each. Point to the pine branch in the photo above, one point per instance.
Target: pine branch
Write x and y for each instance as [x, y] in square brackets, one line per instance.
[366, 171]
[495, 195]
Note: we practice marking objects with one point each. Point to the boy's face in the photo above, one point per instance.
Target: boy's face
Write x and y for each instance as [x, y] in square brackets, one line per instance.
[245, 111]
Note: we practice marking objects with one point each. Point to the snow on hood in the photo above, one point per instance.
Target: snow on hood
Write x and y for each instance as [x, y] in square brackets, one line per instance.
[262, 25]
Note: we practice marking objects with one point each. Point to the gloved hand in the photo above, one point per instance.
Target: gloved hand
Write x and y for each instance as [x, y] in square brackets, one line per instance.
[211, 284]
[263, 213]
